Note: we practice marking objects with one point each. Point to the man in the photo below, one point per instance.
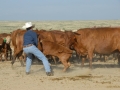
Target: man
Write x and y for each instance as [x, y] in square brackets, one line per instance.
[30, 43]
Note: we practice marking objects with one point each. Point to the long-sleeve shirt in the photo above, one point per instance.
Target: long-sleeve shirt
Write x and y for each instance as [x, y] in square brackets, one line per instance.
[30, 37]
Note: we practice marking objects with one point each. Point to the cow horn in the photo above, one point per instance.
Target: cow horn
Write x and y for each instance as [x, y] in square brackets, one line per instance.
[74, 30]
[62, 30]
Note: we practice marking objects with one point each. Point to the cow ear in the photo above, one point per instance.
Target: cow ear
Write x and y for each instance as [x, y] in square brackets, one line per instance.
[76, 33]
[75, 39]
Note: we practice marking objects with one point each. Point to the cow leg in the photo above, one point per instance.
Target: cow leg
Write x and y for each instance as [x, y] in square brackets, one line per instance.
[5, 52]
[65, 61]
[78, 58]
[90, 56]
[24, 57]
[66, 65]
[90, 63]
[13, 55]
[1, 57]
[10, 55]
[115, 56]
[83, 60]
[5, 56]
[75, 56]
[21, 61]
[69, 64]
[13, 60]
[17, 53]
[54, 59]
[101, 57]
[106, 58]
[119, 59]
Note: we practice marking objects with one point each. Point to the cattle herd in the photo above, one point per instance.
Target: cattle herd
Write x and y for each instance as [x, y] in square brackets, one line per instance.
[85, 43]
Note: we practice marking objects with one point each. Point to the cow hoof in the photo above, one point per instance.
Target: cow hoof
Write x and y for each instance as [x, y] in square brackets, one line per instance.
[69, 64]
[12, 63]
[64, 70]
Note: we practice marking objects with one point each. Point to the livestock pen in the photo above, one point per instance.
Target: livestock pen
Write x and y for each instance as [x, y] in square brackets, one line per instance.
[104, 75]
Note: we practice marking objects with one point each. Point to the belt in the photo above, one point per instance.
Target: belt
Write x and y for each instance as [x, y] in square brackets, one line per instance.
[27, 45]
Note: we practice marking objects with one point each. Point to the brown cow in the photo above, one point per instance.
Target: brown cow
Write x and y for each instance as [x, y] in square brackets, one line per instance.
[59, 37]
[16, 44]
[5, 47]
[63, 38]
[102, 40]
[54, 49]
[3, 35]
[2, 45]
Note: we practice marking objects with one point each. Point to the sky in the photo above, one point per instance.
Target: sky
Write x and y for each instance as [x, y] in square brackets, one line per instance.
[37, 10]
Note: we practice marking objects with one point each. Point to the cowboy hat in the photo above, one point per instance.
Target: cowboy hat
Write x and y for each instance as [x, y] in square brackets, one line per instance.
[28, 25]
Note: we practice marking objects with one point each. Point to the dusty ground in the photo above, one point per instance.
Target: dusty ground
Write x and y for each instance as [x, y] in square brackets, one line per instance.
[103, 76]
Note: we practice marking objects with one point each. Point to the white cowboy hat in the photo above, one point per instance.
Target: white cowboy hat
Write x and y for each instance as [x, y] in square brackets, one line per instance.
[28, 25]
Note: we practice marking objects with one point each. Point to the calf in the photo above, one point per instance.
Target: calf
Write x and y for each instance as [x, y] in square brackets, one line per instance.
[2, 49]
[54, 49]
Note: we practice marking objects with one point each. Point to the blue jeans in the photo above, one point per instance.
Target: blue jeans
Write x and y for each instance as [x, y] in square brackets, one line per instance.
[36, 52]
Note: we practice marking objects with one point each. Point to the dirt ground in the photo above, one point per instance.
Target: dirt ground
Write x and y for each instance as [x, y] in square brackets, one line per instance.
[103, 76]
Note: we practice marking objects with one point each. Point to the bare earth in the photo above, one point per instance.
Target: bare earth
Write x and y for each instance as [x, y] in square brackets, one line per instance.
[103, 76]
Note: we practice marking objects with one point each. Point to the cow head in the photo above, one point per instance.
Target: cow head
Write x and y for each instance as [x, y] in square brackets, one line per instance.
[8, 39]
[79, 49]
[71, 39]
[77, 45]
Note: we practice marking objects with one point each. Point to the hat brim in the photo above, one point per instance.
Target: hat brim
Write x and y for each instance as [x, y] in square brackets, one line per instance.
[25, 27]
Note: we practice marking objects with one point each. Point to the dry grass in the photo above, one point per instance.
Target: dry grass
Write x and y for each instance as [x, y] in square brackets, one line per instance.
[8, 26]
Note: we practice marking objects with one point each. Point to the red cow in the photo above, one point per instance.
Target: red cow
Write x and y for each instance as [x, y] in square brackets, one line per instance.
[16, 44]
[102, 40]
[59, 37]
[54, 49]
[62, 38]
